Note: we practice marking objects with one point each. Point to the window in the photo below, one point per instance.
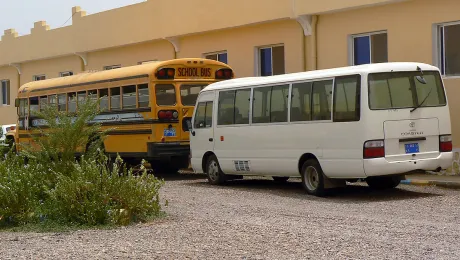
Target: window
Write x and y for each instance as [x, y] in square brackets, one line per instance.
[5, 92]
[143, 92]
[72, 102]
[104, 99]
[39, 77]
[115, 103]
[81, 97]
[271, 61]
[393, 90]
[226, 108]
[189, 94]
[234, 107]
[449, 40]
[146, 62]
[321, 100]
[370, 48]
[23, 107]
[270, 104]
[43, 102]
[301, 102]
[166, 94]
[111, 67]
[203, 116]
[33, 101]
[92, 95]
[129, 97]
[62, 102]
[65, 74]
[347, 99]
[53, 100]
[220, 56]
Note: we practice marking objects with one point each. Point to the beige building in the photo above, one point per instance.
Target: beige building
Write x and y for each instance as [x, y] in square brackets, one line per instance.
[256, 37]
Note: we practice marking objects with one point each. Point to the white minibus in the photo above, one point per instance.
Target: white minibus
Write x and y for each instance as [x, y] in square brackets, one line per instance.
[375, 122]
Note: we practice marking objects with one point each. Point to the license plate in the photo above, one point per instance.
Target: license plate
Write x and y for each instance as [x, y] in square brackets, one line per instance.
[412, 148]
[169, 132]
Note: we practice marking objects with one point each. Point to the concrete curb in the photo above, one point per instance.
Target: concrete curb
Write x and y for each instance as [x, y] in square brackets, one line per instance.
[445, 184]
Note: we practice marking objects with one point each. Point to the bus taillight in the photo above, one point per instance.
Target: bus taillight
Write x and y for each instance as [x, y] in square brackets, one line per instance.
[445, 143]
[224, 74]
[374, 149]
[168, 114]
[165, 73]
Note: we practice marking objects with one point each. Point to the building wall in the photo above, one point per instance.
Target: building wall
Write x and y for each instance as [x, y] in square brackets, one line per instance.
[242, 43]
[409, 26]
[50, 67]
[8, 113]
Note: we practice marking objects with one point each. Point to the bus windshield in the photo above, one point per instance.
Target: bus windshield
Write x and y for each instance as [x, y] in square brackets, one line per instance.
[189, 93]
[393, 90]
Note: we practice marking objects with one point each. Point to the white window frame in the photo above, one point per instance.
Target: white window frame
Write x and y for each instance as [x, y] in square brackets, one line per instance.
[65, 73]
[437, 57]
[35, 77]
[8, 94]
[147, 61]
[351, 45]
[215, 53]
[111, 67]
[257, 68]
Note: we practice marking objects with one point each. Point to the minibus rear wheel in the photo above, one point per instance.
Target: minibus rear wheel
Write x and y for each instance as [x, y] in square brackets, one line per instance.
[213, 171]
[313, 178]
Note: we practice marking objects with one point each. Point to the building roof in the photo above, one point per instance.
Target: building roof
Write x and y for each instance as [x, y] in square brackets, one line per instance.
[319, 74]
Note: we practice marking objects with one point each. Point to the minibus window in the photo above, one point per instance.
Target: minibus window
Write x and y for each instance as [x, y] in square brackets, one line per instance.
[189, 94]
[300, 102]
[392, 90]
[322, 94]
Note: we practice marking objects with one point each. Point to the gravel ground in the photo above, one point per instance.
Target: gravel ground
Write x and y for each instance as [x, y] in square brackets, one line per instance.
[258, 219]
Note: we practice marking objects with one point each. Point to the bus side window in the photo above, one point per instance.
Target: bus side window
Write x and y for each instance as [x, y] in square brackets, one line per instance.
[104, 97]
[81, 97]
[33, 105]
[62, 105]
[143, 95]
[43, 102]
[72, 102]
[347, 99]
[321, 100]
[129, 97]
[53, 100]
[115, 97]
[301, 102]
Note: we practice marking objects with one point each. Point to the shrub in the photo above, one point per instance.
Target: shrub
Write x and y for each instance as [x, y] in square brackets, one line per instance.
[55, 187]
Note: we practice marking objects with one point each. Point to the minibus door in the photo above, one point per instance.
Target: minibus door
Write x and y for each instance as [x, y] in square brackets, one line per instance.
[202, 133]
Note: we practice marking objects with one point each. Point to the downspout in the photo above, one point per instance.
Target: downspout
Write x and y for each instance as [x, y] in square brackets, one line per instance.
[314, 47]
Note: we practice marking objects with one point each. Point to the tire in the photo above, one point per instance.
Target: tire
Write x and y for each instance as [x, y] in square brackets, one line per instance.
[213, 171]
[383, 183]
[313, 178]
[280, 179]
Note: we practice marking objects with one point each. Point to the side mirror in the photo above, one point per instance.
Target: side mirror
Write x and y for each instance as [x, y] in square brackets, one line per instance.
[16, 102]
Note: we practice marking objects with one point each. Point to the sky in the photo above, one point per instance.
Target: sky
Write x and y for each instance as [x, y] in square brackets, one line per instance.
[22, 14]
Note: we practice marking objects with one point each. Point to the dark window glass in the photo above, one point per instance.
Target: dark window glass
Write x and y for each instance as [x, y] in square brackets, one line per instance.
[165, 94]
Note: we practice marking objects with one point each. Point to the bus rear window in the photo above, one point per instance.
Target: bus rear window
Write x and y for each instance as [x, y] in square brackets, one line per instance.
[189, 94]
[165, 94]
[393, 90]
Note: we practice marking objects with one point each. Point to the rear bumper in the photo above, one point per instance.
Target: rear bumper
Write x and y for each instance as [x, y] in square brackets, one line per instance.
[159, 150]
[380, 166]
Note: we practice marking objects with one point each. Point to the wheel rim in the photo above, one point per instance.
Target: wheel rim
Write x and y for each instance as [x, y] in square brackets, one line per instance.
[311, 178]
[213, 171]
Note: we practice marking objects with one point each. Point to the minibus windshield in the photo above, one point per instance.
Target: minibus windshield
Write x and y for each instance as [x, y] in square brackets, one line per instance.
[393, 90]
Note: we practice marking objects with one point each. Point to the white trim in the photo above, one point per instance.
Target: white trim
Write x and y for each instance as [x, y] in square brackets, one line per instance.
[215, 53]
[351, 40]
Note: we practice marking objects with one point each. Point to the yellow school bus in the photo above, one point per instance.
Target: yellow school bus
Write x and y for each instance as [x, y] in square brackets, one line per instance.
[149, 106]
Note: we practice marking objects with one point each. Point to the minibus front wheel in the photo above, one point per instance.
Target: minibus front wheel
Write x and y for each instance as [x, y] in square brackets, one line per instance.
[213, 171]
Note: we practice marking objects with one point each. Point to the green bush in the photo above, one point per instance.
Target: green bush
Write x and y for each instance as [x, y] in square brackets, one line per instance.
[55, 187]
